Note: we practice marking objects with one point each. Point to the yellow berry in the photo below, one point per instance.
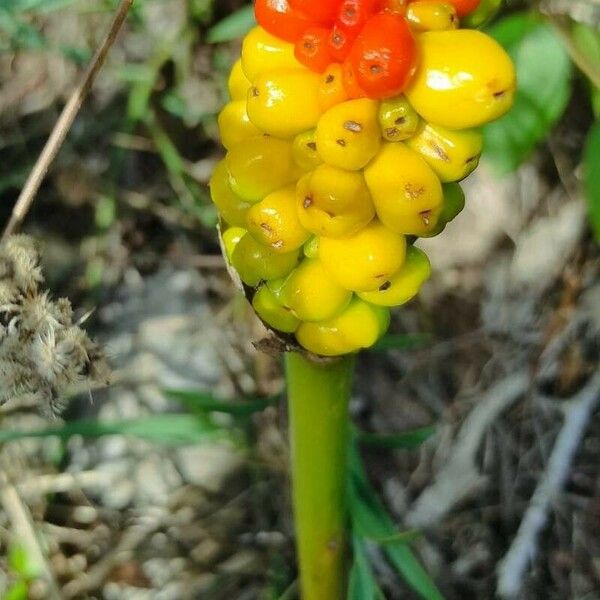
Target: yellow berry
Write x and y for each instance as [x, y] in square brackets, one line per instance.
[405, 284]
[324, 339]
[260, 165]
[454, 203]
[311, 247]
[238, 84]
[333, 202]
[370, 323]
[348, 134]
[484, 13]
[255, 263]
[331, 89]
[271, 311]
[406, 192]
[234, 124]
[263, 52]
[452, 154]
[311, 294]
[274, 221]
[231, 238]
[231, 207]
[398, 119]
[360, 325]
[306, 153]
[284, 102]
[431, 16]
[366, 260]
[465, 79]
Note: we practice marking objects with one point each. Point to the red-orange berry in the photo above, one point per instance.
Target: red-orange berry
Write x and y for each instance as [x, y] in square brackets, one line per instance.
[312, 49]
[384, 56]
[280, 19]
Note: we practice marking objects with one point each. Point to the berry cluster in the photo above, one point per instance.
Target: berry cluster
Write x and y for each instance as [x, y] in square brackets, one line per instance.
[349, 126]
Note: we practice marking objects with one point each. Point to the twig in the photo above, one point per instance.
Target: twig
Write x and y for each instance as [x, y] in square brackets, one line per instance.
[514, 565]
[64, 123]
[460, 475]
[22, 525]
[94, 577]
[54, 483]
[82, 538]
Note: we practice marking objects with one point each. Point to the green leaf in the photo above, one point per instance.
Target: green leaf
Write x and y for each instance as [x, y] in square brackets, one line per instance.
[584, 47]
[402, 342]
[371, 520]
[144, 78]
[595, 93]
[587, 40]
[80, 56]
[407, 440]
[17, 591]
[591, 177]
[37, 5]
[19, 33]
[232, 27]
[166, 148]
[166, 429]
[106, 212]
[21, 563]
[208, 403]
[403, 537]
[362, 581]
[544, 86]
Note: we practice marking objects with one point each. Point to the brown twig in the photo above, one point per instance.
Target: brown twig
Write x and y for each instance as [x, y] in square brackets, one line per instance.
[460, 475]
[64, 123]
[23, 527]
[514, 567]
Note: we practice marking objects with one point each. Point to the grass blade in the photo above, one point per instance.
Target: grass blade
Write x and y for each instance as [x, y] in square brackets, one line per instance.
[362, 581]
[232, 27]
[407, 440]
[170, 429]
[371, 520]
[205, 402]
[402, 342]
[591, 177]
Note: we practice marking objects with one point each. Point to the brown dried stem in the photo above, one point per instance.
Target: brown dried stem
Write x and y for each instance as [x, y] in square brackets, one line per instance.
[64, 123]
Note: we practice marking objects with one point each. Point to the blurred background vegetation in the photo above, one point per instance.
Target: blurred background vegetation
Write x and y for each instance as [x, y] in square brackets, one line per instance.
[173, 483]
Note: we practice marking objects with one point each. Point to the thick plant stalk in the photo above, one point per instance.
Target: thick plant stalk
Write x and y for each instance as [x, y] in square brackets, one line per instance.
[318, 396]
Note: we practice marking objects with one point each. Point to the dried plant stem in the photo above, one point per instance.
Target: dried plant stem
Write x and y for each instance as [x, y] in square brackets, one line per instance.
[24, 529]
[460, 475]
[64, 123]
[514, 567]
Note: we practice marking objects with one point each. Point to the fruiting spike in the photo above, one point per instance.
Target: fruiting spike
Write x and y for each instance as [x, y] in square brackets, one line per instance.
[349, 122]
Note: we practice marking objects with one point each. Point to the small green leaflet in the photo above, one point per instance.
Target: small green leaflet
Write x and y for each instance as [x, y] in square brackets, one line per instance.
[407, 440]
[591, 177]
[402, 341]
[232, 27]
[171, 429]
[370, 521]
[362, 581]
[205, 402]
[544, 87]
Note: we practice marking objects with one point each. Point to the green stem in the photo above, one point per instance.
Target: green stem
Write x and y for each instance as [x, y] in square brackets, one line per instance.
[318, 396]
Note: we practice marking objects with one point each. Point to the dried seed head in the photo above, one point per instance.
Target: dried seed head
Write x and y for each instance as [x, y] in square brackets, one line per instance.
[42, 352]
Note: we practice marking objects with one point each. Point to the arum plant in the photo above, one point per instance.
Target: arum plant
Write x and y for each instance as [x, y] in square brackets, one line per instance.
[349, 127]
[341, 154]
